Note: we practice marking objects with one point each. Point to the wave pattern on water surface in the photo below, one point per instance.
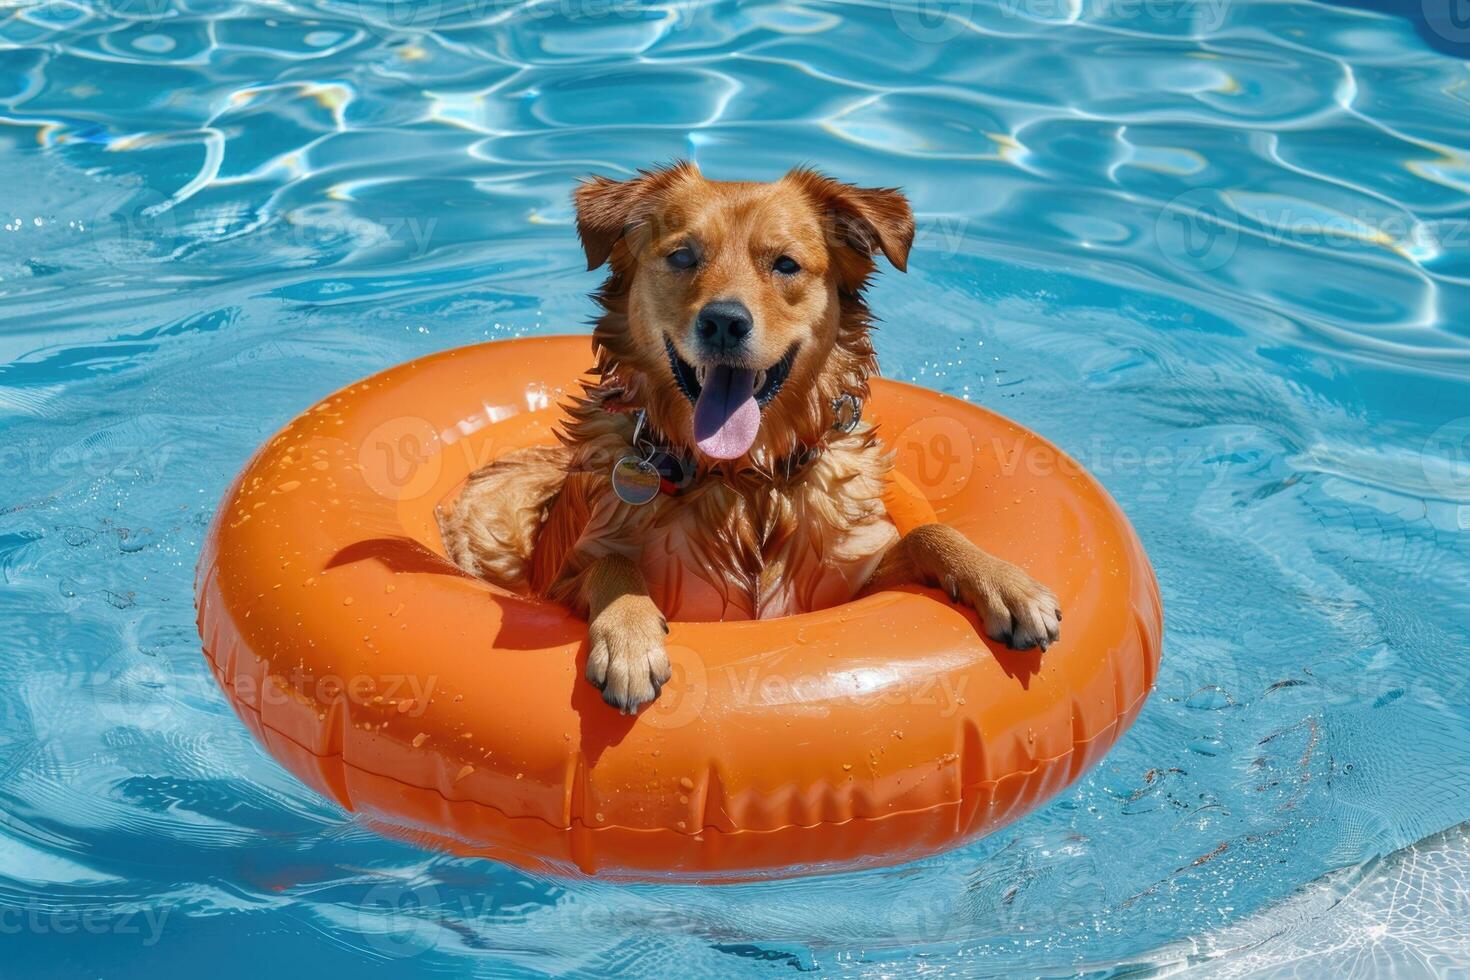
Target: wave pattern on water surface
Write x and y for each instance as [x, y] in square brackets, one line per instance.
[1218, 251]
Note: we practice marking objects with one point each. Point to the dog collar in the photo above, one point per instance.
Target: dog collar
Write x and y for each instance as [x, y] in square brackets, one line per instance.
[652, 468]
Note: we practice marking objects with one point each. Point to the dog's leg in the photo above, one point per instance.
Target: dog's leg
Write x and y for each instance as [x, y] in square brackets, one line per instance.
[1016, 609]
[490, 530]
[625, 634]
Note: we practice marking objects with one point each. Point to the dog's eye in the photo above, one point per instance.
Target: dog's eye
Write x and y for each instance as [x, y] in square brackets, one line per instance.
[682, 258]
[787, 266]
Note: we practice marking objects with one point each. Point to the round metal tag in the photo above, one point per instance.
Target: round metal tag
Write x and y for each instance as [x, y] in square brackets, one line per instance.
[635, 480]
[847, 412]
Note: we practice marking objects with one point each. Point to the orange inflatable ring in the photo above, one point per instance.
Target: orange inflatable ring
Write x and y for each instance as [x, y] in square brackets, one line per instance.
[880, 731]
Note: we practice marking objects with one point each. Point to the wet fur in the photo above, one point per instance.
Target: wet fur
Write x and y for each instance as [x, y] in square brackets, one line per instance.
[748, 539]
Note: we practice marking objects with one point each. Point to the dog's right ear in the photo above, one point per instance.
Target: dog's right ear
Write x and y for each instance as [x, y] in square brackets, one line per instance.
[608, 209]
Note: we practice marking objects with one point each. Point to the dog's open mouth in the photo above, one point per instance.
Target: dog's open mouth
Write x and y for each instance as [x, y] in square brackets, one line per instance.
[727, 400]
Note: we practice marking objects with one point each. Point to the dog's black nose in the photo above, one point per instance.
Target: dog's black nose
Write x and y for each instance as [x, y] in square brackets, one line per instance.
[723, 325]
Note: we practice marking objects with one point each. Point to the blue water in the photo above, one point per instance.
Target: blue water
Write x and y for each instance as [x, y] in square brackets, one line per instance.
[1220, 252]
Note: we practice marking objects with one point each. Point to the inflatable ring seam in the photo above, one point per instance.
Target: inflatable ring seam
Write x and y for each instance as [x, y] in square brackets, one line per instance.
[966, 789]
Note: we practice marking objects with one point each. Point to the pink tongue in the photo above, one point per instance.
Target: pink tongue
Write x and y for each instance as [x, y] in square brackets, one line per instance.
[726, 416]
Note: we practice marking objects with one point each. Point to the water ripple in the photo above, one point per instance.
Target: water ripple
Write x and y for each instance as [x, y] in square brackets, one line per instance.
[1218, 251]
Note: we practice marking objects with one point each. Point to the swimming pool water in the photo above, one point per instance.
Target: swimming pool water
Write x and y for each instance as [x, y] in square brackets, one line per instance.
[1218, 251]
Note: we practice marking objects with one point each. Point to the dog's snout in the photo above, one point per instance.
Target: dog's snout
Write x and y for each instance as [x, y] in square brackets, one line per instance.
[723, 325]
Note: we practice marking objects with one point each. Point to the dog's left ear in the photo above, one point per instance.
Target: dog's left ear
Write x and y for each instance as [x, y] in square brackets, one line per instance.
[868, 219]
[609, 209]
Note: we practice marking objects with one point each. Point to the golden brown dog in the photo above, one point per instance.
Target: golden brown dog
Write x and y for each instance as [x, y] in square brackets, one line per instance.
[718, 469]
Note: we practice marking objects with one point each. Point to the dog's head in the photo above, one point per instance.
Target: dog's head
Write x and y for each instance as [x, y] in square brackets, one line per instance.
[733, 311]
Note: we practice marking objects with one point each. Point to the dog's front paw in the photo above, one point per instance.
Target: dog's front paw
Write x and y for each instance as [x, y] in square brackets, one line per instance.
[1016, 609]
[626, 658]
